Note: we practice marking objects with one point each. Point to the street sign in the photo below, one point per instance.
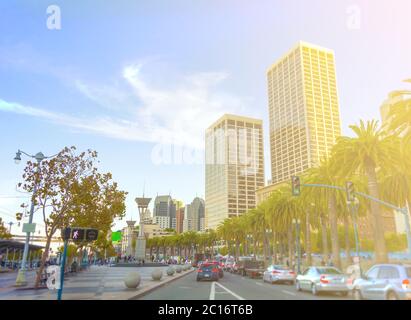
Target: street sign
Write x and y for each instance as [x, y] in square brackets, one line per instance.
[29, 227]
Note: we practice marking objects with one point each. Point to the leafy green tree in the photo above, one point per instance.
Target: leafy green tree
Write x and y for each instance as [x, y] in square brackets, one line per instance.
[4, 233]
[71, 192]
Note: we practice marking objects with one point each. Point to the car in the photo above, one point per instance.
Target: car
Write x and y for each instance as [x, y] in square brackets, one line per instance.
[278, 273]
[208, 272]
[322, 279]
[220, 269]
[384, 282]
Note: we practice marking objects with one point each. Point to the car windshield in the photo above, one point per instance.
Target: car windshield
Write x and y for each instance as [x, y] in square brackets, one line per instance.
[281, 268]
[207, 267]
[328, 271]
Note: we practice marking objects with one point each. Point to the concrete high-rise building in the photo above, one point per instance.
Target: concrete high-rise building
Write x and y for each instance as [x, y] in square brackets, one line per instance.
[194, 215]
[164, 213]
[396, 99]
[179, 219]
[234, 167]
[303, 110]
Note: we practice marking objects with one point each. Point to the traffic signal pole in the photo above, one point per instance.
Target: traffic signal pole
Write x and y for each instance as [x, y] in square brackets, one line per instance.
[404, 211]
[63, 264]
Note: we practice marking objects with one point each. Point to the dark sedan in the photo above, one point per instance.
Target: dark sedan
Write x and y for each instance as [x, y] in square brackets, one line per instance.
[208, 272]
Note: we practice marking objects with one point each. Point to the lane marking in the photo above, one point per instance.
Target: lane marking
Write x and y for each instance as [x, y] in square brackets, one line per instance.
[288, 292]
[258, 283]
[212, 292]
[229, 291]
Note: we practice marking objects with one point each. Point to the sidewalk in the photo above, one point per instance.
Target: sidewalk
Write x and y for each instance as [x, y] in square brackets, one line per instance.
[98, 283]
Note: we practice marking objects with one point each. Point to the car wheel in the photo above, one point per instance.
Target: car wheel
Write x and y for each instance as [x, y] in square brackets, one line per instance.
[391, 296]
[357, 294]
[314, 290]
[297, 286]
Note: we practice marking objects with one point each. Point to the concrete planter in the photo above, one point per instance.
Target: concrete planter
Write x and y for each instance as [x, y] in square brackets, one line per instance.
[179, 269]
[157, 275]
[170, 271]
[132, 280]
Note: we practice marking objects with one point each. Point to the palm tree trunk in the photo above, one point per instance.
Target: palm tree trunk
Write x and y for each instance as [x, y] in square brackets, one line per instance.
[290, 246]
[377, 220]
[347, 239]
[323, 219]
[308, 238]
[335, 246]
[274, 247]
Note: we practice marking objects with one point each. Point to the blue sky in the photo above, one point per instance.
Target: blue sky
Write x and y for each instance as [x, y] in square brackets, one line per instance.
[131, 78]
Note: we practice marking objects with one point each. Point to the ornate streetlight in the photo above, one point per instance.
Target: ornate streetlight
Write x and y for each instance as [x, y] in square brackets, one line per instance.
[21, 276]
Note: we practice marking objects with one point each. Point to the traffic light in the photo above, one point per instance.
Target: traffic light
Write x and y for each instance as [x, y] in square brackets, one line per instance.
[349, 187]
[91, 234]
[77, 234]
[296, 185]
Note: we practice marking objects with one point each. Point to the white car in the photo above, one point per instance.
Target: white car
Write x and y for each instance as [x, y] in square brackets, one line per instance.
[278, 273]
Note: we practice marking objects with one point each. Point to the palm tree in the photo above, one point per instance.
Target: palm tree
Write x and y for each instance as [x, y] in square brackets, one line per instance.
[400, 120]
[368, 151]
[325, 173]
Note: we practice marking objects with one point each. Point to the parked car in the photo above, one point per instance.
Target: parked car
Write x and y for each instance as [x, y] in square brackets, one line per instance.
[208, 272]
[322, 279]
[278, 273]
[384, 282]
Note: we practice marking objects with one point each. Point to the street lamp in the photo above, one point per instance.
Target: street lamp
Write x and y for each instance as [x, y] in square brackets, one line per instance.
[21, 276]
[297, 225]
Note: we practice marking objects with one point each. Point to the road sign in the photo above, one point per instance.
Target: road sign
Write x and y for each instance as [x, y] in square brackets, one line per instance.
[29, 227]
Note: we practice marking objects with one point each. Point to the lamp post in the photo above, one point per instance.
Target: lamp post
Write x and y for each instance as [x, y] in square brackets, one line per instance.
[297, 225]
[21, 276]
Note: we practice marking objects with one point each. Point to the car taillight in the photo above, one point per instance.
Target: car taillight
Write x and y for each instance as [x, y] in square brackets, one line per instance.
[323, 279]
[199, 270]
[276, 272]
[406, 284]
[215, 270]
[291, 272]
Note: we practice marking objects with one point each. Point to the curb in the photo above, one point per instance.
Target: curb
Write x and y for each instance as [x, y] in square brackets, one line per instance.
[161, 284]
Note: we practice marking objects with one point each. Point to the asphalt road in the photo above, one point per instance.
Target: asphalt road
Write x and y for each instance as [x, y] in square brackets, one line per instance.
[231, 287]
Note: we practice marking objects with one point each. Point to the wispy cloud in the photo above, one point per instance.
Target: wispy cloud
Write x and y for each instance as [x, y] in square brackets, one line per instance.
[134, 109]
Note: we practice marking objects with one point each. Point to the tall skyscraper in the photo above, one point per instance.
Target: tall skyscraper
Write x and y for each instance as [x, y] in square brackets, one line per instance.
[164, 213]
[234, 167]
[396, 99]
[194, 216]
[303, 109]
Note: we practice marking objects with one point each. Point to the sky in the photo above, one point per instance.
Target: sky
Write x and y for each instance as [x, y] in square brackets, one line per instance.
[140, 81]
